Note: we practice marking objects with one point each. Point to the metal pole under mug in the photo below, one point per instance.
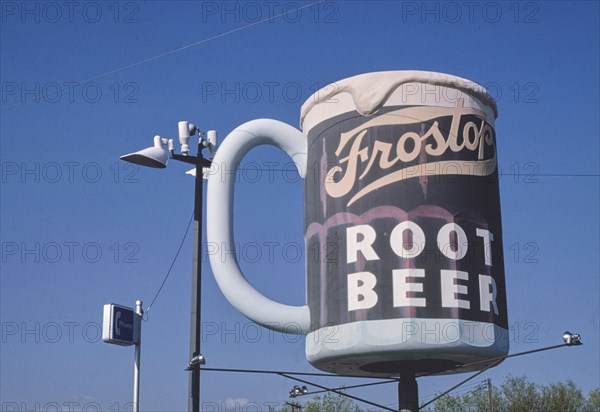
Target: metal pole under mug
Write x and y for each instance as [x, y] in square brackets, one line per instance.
[408, 393]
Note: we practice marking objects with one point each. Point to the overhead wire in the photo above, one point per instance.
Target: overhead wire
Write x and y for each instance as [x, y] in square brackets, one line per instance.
[339, 392]
[187, 229]
[254, 169]
[170, 52]
[466, 389]
[489, 363]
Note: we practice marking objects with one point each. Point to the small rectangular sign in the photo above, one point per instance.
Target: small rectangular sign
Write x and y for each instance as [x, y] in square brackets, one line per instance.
[120, 325]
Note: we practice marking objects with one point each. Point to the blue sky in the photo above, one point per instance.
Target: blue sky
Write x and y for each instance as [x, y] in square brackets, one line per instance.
[80, 229]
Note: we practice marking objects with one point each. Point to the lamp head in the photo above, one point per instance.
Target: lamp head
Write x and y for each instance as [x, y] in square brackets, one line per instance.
[155, 156]
[297, 391]
[571, 338]
[195, 362]
[186, 130]
[212, 141]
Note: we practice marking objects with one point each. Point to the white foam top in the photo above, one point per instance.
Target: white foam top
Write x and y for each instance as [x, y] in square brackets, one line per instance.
[370, 91]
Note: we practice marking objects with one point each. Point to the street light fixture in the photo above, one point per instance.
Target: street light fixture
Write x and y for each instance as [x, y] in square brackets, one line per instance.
[153, 156]
[157, 157]
[572, 339]
[297, 391]
[195, 362]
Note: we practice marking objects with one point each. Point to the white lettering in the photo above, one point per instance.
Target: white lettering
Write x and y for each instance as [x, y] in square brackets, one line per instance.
[402, 286]
[487, 293]
[416, 241]
[487, 244]
[354, 245]
[360, 291]
[456, 249]
[450, 289]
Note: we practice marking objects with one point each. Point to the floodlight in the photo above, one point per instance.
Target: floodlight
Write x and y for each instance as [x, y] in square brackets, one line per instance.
[155, 156]
[571, 338]
[297, 391]
[211, 143]
[186, 130]
[196, 362]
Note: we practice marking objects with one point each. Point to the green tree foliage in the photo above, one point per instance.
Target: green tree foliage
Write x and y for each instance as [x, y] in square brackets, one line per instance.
[518, 394]
[330, 402]
[560, 396]
[592, 403]
[476, 400]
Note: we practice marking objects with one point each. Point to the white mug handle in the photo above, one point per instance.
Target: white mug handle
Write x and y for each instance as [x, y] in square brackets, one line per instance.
[219, 221]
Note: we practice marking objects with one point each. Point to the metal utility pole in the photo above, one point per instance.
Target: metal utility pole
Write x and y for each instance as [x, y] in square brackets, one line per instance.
[295, 406]
[139, 313]
[155, 156]
[195, 319]
[195, 328]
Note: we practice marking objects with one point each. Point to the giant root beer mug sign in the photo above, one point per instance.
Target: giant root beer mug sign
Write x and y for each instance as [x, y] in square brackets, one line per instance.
[403, 233]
